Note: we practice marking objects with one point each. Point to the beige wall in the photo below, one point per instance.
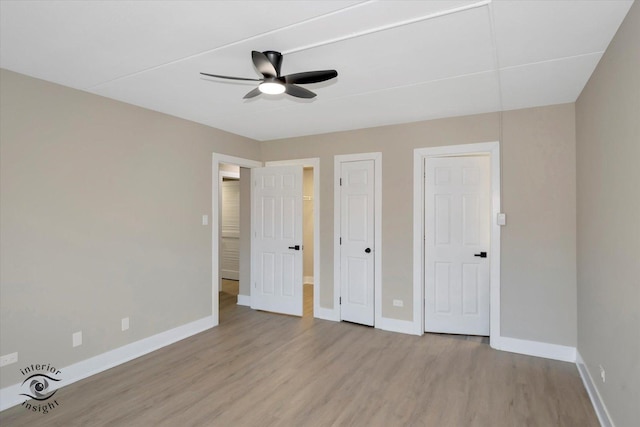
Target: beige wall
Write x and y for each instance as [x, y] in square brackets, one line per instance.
[538, 264]
[539, 242]
[100, 218]
[101, 208]
[608, 149]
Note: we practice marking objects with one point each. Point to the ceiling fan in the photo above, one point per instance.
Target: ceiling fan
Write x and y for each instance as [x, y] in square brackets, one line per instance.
[268, 64]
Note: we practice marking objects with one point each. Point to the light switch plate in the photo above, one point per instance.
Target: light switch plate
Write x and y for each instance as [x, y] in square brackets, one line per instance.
[502, 219]
[125, 323]
[205, 219]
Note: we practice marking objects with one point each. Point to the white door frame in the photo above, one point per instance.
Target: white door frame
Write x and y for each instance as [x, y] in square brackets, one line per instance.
[216, 159]
[419, 155]
[313, 162]
[377, 252]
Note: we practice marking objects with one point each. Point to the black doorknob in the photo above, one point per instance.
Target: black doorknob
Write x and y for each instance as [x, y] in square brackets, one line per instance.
[368, 250]
[481, 254]
[296, 247]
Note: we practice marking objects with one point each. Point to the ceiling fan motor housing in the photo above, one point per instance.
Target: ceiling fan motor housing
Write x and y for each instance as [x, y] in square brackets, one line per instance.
[275, 58]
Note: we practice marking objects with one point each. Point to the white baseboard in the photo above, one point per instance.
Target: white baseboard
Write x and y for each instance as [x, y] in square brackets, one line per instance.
[244, 300]
[535, 348]
[395, 325]
[308, 280]
[10, 396]
[594, 394]
[326, 314]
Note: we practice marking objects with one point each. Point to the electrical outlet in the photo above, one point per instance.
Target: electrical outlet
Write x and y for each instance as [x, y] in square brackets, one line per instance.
[603, 374]
[77, 339]
[125, 323]
[8, 359]
[398, 303]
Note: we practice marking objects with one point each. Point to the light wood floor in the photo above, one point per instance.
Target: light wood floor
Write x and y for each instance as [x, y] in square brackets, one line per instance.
[230, 290]
[264, 369]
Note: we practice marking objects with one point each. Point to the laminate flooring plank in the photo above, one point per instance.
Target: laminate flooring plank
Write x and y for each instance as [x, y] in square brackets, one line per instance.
[263, 369]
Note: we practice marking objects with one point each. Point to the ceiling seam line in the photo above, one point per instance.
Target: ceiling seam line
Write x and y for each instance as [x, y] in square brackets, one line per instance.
[511, 67]
[391, 26]
[266, 33]
[476, 5]
[494, 41]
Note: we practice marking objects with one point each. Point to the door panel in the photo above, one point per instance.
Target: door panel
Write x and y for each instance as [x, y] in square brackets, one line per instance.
[268, 268]
[357, 234]
[470, 289]
[288, 274]
[357, 289]
[443, 212]
[277, 220]
[457, 227]
[442, 287]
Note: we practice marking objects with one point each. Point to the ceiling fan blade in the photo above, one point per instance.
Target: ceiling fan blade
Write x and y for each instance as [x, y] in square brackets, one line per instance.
[252, 94]
[229, 77]
[310, 77]
[298, 91]
[263, 65]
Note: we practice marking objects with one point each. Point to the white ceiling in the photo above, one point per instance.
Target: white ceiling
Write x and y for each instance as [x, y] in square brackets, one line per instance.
[398, 61]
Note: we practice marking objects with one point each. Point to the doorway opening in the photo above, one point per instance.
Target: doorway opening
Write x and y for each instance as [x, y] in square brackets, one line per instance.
[246, 268]
[457, 241]
[425, 259]
[230, 243]
[232, 228]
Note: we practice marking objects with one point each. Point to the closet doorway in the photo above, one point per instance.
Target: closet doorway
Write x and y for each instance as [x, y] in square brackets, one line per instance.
[229, 226]
[229, 291]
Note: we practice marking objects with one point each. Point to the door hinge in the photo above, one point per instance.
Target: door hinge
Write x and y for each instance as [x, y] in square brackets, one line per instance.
[341, 240]
[340, 300]
[341, 182]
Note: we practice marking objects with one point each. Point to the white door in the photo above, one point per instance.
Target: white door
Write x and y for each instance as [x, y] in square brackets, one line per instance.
[457, 238]
[357, 238]
[277, 239]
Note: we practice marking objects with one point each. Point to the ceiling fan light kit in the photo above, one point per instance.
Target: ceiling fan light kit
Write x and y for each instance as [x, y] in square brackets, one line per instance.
[268, 64]
[271, 88]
